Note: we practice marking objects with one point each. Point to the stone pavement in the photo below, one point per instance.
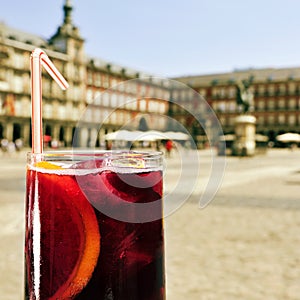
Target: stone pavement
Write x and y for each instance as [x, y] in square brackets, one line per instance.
[244, 245]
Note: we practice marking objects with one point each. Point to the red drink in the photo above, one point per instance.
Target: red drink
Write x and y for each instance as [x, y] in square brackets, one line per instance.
[77, 244]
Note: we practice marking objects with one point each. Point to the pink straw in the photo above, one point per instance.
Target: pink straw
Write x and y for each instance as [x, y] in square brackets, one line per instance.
[38, 58]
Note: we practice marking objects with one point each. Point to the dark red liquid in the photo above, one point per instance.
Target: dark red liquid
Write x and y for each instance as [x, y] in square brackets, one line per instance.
[130, 261]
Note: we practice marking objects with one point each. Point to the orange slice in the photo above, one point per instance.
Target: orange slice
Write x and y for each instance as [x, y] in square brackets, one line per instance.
[47, 165]
[69, 235]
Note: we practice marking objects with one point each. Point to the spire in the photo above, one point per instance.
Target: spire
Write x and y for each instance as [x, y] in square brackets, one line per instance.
[68, 10]
[66, 31]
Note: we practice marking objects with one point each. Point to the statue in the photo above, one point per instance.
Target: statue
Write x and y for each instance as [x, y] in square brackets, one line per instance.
[244, 143]
[244, 96]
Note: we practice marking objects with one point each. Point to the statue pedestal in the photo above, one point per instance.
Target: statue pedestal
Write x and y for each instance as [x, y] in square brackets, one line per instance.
[244, 144]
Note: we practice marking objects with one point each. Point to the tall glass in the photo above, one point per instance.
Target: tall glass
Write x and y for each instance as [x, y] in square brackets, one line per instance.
[94, 226]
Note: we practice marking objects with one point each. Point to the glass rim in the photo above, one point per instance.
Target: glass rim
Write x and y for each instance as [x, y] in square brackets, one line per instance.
[98, 153]
[120, 159]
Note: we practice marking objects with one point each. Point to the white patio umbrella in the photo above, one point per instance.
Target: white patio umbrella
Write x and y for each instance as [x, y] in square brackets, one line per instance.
[177, 135]
[122, 135]
[289, 137]
[150, 135]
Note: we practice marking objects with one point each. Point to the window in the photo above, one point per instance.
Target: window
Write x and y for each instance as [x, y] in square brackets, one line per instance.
[281, 103]
[98, 80]
[166, 95]
[214, 106]
[97, 115]
[61, 112]
[105, 98]
[292, 88]
[18, 81]
[202, 107]
[132, 88]
[114, 82]
[292, 119]
[174, 95]
[2, 74]
[105, 81]
[143, 90]
[231, 106]
[46, 86]
[271, 104]
[261, 90]
[221, 106]
[121, 98]
[18, 108]
[231, 92]
[26, 107]
[105, 117]
[222, 92]
[76, 73]
[281, 119]
[131, 103]
[89, 96]
[75, 113]
[90, 78]
[181, 120]
[113, 118]
[231, 121]
[152, 106]
[292, 103]
[222, 120]
[88, 114]
[271, 89]
[120, 117]
[143, 105]
[114, 100]
[162, 108]
[19, 61]
[282, 89]
[203, 92]
[260, 120]
[48, 110]
[261, 105]
[214, 92]
[271, 119]
[97, 98]
[77, 92]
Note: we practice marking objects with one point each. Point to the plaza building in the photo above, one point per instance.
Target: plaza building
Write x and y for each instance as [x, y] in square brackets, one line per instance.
[276, 98]
[102, 96]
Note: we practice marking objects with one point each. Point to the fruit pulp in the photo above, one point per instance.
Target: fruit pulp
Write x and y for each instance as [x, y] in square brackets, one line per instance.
[79, 252]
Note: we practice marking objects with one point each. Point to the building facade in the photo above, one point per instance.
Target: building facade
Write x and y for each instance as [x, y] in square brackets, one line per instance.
[104, 97]
[101, 98]
[276, 98]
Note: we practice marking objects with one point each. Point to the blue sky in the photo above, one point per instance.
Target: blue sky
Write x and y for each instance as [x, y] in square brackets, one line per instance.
[172, 37]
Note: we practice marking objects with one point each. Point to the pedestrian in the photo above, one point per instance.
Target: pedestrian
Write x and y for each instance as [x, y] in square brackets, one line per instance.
[4, 145]
[19, 145]
[169, 147]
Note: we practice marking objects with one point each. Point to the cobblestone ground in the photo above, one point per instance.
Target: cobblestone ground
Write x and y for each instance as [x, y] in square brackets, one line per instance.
[244, 245]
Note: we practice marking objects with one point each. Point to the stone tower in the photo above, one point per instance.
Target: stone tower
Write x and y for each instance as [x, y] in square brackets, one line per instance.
[67, 38]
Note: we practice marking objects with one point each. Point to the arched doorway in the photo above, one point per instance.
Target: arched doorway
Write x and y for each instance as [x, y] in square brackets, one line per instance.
[16, 131]
[47, 136]
[62, 136]
[75, 137]
[1, 131]
[48, 130]
[143, 126]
